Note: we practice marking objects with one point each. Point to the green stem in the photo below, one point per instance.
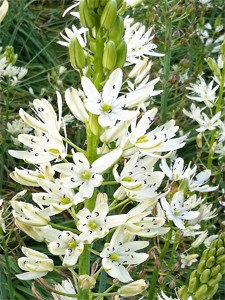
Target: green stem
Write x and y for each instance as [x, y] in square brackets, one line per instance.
[218, 107]
[164, 96]
[73, 145]
[156, 269]
[84, 269]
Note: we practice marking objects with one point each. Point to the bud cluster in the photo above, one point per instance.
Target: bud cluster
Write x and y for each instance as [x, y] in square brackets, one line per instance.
[204, 281]
[105, 36]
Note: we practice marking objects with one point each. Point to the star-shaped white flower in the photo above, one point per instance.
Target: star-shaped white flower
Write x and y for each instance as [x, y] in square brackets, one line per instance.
[160, 139]
[83, 175]
[197, 182]
[137, 176]
[107, 105]
[204, 92]
[119, 253]
[177, 170]
[68, 244]
[177, 211]
[71, 33]
[55, 194]
[96, 224]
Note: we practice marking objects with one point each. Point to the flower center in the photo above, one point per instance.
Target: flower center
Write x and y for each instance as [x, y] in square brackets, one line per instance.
[114, 257]
[107, 108]
[65, 200]
[53, 151]
[142, 139]
[92, 225]
[176, 213]
[72, 244]
[128, 179]
[86, 175]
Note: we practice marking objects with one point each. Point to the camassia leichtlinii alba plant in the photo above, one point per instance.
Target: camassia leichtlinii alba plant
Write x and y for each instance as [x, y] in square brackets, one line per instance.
[110, 208]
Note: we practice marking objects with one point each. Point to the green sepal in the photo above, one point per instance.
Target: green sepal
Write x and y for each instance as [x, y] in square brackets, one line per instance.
[211, 291]
[220, 251]
[215, 270]
[183, 293]
[193, 285]
[87, 16]
[93, 3]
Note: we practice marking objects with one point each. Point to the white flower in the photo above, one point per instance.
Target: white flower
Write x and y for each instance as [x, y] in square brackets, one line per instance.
[177, 211]
[30, 177]
[208, 124]
[139, 224]
[30, 214]
[96, 224]
[139, 42]
[205, 92]
[133, 3]
[67, 288]
[16, 127]
[137, 176]
[120, 252]
[67, 244]
[197, 182]
[200, 239]
[195, 112]
[47, 143]
[177, 170]
[205, 213]
[188, 260]
[83, 175]
[36, 264]
[56, 195]
[74, 32]
[107, 105]
[158, 140]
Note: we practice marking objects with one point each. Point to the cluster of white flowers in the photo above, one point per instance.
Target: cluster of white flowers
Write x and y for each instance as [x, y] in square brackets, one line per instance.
[123, 140]
[9, 70]
[207, 115]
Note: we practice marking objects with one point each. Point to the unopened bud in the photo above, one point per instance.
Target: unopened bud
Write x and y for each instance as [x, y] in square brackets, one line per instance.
[121, 51]
[200, 239]
[109, 56]
[117, 31]
[133, 288]
[200, 294]
[86, 17]
[109, 14]
[120, 193]
[214, 67]
[199, 140]
[76, 53]
[86, 282]
[3, 10]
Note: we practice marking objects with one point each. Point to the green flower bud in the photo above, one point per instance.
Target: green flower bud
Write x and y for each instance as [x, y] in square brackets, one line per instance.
[76, 53]
[109, 56]
[211, 291]
[215, 280]
[210, 262]
[205, 276]
[117, 31]
[213, 66]
[219, 243]
[211, 252]
[93, 3]
[220, 251]
[183, 293]
[205, 254]
[193, 284]
[220, 259]
[201, 292]
[201, 266]
[121, 51]
[109, 14]
[87, 16]
[103, 2]
[215, 270]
